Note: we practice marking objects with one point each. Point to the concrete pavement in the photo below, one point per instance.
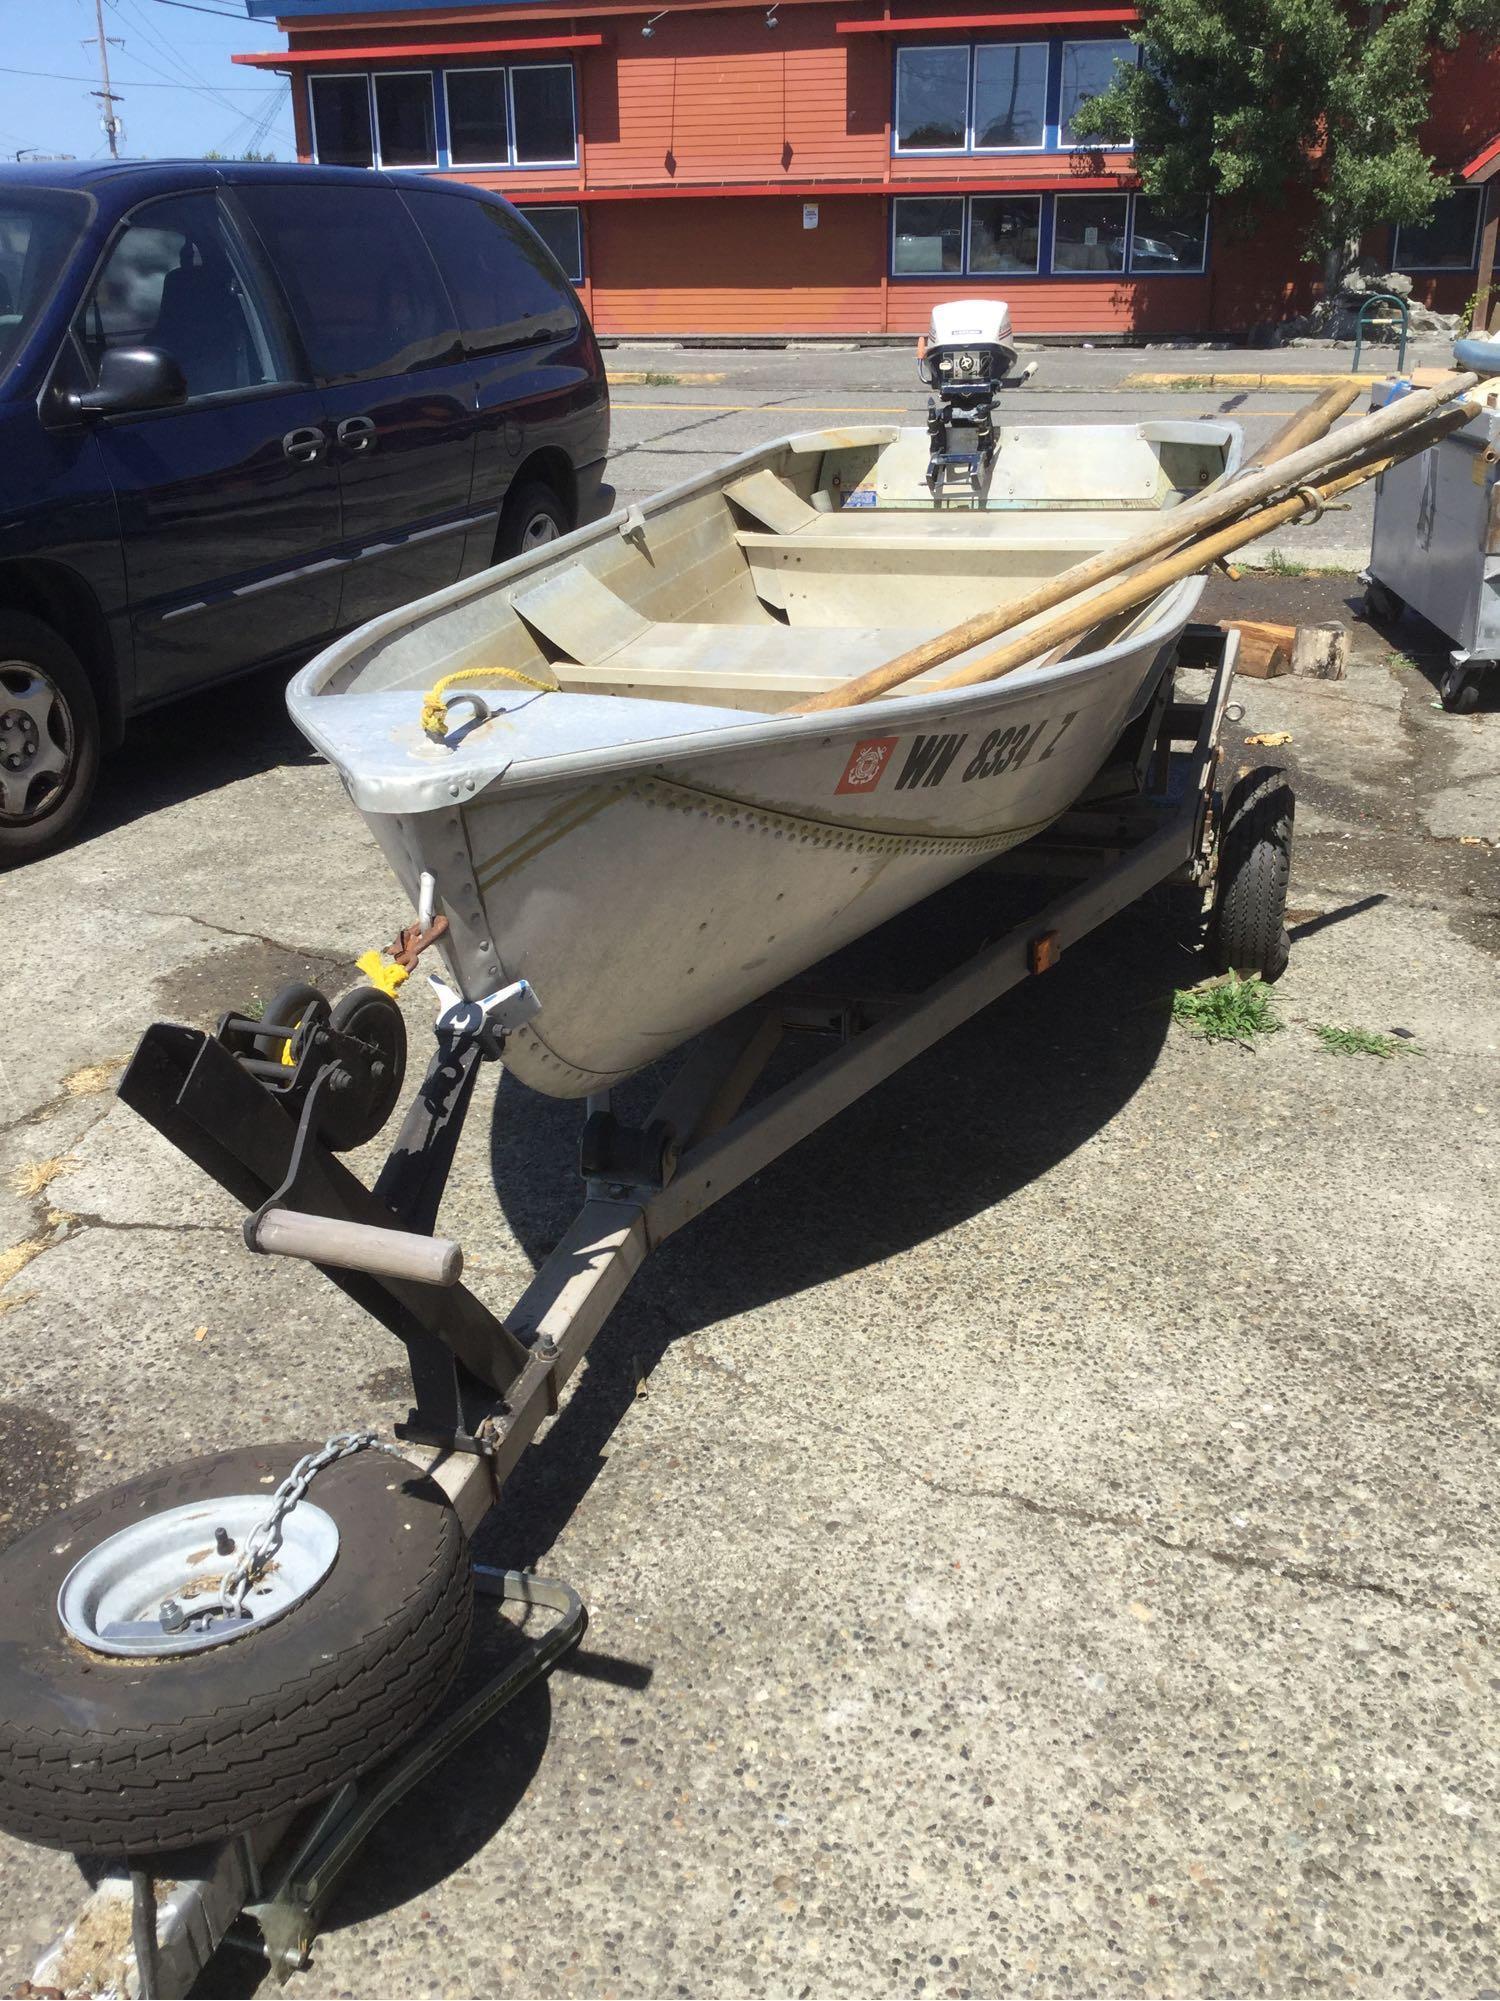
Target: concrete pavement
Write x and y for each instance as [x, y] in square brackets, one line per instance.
[1039, 1536]
[684, 423]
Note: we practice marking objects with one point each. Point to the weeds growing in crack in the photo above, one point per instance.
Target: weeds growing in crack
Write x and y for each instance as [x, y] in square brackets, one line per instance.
[1228, 1009]
[1362, 1042]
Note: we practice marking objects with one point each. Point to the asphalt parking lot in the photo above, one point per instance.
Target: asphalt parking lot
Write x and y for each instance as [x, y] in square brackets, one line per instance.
[1040, 1536]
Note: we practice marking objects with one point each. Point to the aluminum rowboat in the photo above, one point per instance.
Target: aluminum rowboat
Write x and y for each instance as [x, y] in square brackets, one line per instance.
[616, 811]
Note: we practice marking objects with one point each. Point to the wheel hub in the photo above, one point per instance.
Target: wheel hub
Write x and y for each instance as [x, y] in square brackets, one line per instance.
[19, 739]
[155, 1588]
[36, 741]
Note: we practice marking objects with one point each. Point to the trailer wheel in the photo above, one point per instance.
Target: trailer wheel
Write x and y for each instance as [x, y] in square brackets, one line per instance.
[1247, 929]
[357, 1114]
[1383, 606]
[286, 1009]
[130, 1756]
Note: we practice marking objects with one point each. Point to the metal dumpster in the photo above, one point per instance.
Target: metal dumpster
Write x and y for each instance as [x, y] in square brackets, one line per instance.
[1436, 543]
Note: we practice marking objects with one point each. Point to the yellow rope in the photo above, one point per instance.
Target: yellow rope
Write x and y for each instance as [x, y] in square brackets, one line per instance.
[435, 710]
[379, 974]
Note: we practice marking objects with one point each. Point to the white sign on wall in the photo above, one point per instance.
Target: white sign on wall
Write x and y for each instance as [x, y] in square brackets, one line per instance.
[809, 215]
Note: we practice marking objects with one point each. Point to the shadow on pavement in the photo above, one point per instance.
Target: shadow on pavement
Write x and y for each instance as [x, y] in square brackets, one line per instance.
[196, 745]
[987, 1111]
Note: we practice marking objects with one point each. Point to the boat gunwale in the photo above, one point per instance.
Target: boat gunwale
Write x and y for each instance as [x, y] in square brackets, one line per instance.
[420, 790]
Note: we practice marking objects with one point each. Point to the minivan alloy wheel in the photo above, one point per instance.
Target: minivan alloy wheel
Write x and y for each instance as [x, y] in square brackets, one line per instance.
[37, 741]
[539, 529]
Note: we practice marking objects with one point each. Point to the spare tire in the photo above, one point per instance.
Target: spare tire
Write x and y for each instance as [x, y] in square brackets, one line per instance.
[112, 1756]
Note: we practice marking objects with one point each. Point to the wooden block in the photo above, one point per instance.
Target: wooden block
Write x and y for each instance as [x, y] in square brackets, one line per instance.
[1265, 649]
[1321, 652]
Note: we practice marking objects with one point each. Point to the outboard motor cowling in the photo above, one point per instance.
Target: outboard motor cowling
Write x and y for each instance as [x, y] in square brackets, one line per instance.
[966, 357]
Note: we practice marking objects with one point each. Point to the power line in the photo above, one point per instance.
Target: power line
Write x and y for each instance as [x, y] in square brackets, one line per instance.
[57, 76]
[191, 7]
[164, 48]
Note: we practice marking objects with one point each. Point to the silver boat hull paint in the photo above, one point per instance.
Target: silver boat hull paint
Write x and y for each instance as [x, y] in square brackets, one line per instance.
[650, 864]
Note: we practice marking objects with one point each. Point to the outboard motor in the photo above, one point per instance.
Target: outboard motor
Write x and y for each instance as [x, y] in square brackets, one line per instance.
[967, 358]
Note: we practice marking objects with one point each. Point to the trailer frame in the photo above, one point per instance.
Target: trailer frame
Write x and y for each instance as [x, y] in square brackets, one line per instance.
[481, 1385]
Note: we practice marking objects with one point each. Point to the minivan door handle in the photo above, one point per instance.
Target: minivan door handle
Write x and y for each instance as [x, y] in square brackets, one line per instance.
[358, 433]
[305, 444]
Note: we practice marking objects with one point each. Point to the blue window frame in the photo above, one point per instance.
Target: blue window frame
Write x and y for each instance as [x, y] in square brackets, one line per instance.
[494, 116]
[992, 234]
[977, 98]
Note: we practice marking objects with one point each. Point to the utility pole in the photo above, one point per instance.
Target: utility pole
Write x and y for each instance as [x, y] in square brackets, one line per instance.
[111, 122]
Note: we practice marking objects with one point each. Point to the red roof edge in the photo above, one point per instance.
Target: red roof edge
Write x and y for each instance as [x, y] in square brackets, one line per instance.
[1484, 164]
[332, 58]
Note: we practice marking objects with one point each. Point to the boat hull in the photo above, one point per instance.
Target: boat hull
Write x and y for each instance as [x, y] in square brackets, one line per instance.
[644, 905]
[635, 818]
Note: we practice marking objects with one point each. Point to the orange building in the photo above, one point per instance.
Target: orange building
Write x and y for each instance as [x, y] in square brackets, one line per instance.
[821, 166]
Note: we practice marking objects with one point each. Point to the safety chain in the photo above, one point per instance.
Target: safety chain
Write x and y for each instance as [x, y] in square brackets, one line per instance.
[264, 1539]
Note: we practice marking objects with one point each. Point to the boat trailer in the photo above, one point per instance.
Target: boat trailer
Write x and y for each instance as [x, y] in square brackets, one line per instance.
[482, 1386]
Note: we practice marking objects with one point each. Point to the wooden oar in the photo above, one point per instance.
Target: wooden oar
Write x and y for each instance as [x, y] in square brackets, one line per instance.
[1313, 421]
[1144, 584]
[1223, 502]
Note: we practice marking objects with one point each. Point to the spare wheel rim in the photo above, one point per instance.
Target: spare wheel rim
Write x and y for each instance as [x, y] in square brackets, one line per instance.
[153, 1589]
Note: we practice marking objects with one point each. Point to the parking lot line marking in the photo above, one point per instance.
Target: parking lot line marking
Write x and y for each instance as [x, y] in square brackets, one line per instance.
[781, 409]
[1274, 379]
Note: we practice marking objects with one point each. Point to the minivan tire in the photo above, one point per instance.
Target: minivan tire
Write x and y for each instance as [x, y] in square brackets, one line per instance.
[529, 509]
[28, 646]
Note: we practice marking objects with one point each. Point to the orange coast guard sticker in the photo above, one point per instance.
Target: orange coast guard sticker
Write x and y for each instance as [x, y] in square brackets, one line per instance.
[867, 763]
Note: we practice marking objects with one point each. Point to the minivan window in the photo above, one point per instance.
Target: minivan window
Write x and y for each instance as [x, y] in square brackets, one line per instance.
[507, 286]
[38, 231]
[175, 279]
[366, 295]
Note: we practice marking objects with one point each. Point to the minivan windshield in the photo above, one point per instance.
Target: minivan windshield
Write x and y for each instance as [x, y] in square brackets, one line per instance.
[38, 230]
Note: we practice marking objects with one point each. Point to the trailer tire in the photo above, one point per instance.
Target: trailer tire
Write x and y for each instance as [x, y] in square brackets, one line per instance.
[111, 1756]
[1247, 930]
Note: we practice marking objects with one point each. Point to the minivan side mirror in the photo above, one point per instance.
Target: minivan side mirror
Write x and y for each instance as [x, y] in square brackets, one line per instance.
[132, 378]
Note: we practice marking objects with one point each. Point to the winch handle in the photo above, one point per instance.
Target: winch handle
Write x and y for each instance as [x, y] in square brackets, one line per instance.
[327, 1240]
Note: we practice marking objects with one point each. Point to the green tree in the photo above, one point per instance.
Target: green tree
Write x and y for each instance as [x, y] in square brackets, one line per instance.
[1244, 101]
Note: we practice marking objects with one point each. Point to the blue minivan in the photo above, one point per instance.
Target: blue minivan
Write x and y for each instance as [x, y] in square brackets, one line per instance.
[244, 408]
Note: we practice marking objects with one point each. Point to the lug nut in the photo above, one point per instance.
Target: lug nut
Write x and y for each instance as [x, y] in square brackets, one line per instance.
[173, 1618]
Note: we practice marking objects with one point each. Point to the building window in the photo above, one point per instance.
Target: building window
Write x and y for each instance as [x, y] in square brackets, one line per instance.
[928, 235]
[542, 119]
[478, 117]
[561, 230]
[1088, 70]
[932, 100]
[521, 117]
[992, 97]
[384, 120]
[1010, 97]
[1089, 232]
[1005, 233]
[986, 99]
[994, 236]
[1447, 241]
[405, 125]
[343, 130]
[1167, 239]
